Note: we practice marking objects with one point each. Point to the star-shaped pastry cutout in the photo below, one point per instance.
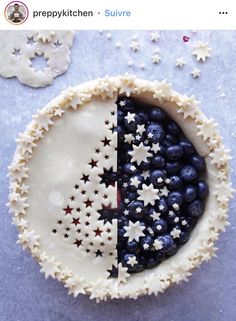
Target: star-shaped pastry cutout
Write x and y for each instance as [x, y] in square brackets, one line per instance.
[134, 231]
[140, 129]
[207, 129]
[155, 216]
[202, 51]
[180, 62]
[156, 59]
[135, 181]
[175, 233]
[132, 261]
[148, 194]
[122, 273]
[135, 46]
[196, 73]
[155, 147]
[154, 36]
[129, 138]
[50, 267]
[140, 153]
[157, 245]
[130, 117]
[146, 246]
[164, 191]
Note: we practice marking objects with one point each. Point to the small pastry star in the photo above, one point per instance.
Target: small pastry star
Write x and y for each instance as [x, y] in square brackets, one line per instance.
[161, 207]
[138, 137]
[145, 174]
[109, 36]
[132, 168]
[176, 220]
[167, 181]
[134, 181]
[126, 212]
[140, 153]
[150, 135]
[175, 233]
[135, 46]
[138, 210]
[175, 206]
[156, 59]
[155, 147]
[126, 200]
[132, 261]
[129, 138]
[122, 103]
[130, 117]
[134, 231]
[125, 184]
[196, 73]
[154, 36]
[155, 216]
[180, 62]
[202, 51]
[159, 180]
[146, 246]
[148, 194]
[157, 245]
[164, 191]
[184, 222]
[140, 129]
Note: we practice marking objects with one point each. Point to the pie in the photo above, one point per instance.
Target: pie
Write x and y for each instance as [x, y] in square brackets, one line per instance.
[120, 187]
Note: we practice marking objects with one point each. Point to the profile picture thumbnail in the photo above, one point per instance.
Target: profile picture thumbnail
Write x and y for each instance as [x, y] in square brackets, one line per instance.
[16, 12]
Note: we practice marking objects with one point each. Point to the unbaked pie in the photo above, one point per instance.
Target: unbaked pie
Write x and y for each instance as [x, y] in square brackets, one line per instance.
[119, 187]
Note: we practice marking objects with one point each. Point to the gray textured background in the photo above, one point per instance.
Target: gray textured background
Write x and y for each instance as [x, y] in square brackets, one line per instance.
[211, 292]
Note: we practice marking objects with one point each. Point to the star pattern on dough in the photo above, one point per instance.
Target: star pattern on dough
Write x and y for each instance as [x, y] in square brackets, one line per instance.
[134, 231]
[202, 51]
[207, 129]
[148, 194]
[140, 153]
[50, 267]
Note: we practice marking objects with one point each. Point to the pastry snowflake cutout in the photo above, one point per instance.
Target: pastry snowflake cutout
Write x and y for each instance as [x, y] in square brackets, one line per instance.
[202, 51]
[22, 49]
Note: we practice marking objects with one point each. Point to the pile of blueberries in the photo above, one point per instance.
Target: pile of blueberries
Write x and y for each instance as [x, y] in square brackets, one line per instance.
[177, 163]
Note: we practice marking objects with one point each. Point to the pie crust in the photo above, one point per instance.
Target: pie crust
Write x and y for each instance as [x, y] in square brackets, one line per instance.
[53, 152]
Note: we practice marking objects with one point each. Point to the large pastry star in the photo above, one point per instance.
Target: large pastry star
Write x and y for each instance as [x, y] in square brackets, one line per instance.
[134, 231]
[148, 194]
[140, 153]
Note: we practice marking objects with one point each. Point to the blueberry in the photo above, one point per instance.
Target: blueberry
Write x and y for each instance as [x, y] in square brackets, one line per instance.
[175, 198]
[175, 183]
[152, 261]
[159, 226]
[132, 247]
[157, 114]
[188, 173]
[136, 209]
[195, 209]
[173, 168]
[198, 163]
[174, 152]
[167, 242]
[187, 147]
[120, 133]
[189, 193]
[121, 233]
[139, 268]
[155, 132]
[173, 128]
[129, 169]
[146, 243]
[144, 166]
[202, 189]
[172, 251]
[158, 162]
[131, 196]
[170, 140]
[191, 222]
[148, 218]
[171, 219]
[157, 178]
[144, 117]
[120, 116]
[183, 237]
